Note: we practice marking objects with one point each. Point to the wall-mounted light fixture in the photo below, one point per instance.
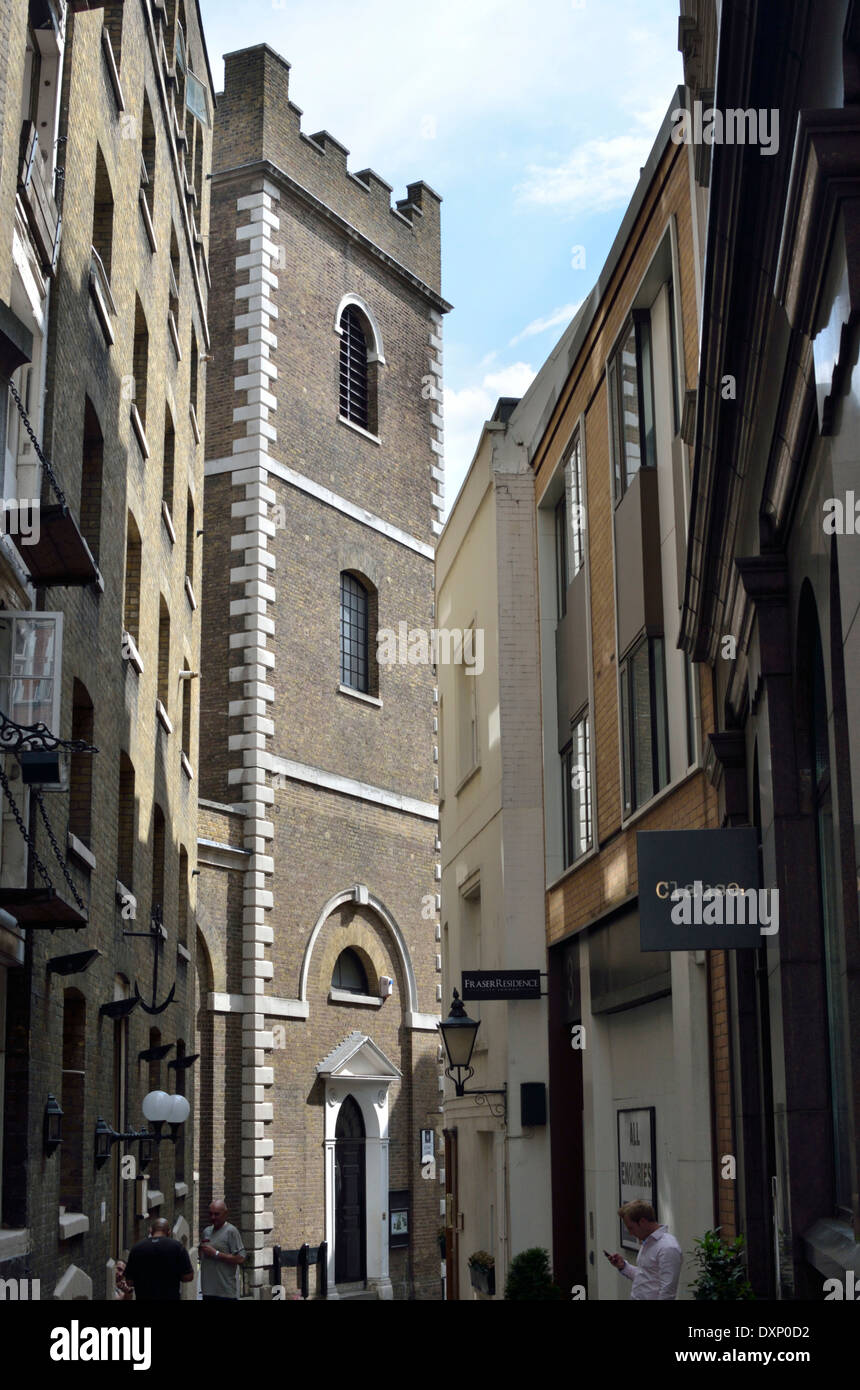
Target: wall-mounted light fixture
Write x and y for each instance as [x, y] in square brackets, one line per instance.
[53, 1125]
[458, 1034]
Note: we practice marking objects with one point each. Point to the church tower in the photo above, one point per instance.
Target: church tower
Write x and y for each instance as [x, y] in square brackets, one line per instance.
[319, 945]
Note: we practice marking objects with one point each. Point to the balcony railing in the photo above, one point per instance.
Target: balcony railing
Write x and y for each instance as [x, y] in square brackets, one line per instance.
[43, 216]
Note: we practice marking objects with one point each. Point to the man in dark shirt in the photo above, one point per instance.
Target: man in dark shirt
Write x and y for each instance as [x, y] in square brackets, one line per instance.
[158, 1265]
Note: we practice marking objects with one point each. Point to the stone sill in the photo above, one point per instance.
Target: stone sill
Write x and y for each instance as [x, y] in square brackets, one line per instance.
[360, 695]
[154, 1197]
[134, 657]
[168, 521]
[140, 432]
[192, 415]
[80, 851]
[14, 1244]
[467, 779]
[163, 717]
[365, 434]
[189, 593]
[346, 996]
[183, 951]
[180, 1189]
[186, 767]
[73, 1223]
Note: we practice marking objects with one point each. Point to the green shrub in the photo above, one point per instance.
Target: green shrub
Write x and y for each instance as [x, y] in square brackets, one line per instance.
[722, 1274]
[530, 1277]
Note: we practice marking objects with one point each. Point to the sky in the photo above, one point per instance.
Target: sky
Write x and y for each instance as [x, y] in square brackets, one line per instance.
[532, 123]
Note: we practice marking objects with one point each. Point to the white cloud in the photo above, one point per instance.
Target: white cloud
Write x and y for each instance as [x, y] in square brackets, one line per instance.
[556, 319]
[598, 176]
[465, 414]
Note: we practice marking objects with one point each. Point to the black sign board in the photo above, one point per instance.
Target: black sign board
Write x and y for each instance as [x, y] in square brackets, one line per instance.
[501, 984]
[699, 890]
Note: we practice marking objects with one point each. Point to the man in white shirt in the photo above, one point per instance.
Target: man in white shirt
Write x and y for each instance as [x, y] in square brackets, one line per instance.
[658, 1268]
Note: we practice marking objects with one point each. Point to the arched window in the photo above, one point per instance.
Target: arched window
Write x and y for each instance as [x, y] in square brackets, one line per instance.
[354, 402]
[81, 766]
[354, 630]
[131, 602]
[125, 827]
[72, 1101]
[349, 973]
[92, 459]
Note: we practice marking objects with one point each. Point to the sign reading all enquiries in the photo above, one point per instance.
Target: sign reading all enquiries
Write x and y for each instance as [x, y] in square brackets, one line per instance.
[699, 890]
[637, 1163]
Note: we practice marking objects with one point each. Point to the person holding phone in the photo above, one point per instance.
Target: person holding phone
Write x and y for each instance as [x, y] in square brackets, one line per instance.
[658, 1268]
[221, 1253]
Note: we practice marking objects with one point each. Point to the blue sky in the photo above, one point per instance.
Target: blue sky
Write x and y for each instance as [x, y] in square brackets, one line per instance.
[532, 123]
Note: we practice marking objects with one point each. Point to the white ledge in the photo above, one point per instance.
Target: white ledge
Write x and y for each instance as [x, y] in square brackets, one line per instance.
[163, 717]
[180, 1189]
[154, 1198]
[73, 1223]
[183, 951]
[140, 432]
[192, 414]
[14, 1244]
[366, 434]
[189, 593]
[80, 850]
[168, 520]
[360, 695]
[131, 654]
[186, 767]
[346, 996]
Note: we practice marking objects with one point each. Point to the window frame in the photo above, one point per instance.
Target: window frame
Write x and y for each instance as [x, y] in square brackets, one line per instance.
[346, 671]
[637, 325]
[658, 720]
[57, 677]
[569, 805]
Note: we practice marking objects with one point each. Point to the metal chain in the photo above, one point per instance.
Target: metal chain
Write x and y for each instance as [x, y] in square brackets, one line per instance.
[37, 794]
[61, 496]
[4, 782]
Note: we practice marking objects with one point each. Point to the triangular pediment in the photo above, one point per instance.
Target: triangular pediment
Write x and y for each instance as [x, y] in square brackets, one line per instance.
[358, 1058]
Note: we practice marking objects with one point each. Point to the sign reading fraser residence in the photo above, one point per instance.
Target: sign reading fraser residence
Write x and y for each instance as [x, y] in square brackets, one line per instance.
[699, 890]
[500, 984]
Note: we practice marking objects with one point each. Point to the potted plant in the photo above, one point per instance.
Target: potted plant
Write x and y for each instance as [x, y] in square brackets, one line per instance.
[482, 1271]
[530, 1277]
[722, 1275]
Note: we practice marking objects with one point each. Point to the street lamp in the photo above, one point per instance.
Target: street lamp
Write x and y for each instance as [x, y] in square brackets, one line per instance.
[159, 1108]
[458, 1034]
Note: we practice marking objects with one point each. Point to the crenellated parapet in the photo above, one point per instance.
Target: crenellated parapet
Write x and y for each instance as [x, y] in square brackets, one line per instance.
[258, 123]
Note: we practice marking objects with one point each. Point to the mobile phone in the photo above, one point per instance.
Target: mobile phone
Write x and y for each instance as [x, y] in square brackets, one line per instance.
[607, 1254]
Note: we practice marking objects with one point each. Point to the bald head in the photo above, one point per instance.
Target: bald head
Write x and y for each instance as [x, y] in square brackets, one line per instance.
[159, 1227]
[218, 1213]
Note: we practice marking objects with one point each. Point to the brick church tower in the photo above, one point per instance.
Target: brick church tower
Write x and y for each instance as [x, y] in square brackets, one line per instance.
[319, 968]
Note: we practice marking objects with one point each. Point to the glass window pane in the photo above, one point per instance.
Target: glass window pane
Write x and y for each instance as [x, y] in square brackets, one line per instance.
[629, 408]
[577, 509]
[658, 715]
[561, 555]
[354, 669]
[643, 752]
[195, 98]
[580, 782]
[646, 389]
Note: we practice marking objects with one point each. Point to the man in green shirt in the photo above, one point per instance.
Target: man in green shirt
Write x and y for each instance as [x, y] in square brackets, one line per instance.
[221, 1251]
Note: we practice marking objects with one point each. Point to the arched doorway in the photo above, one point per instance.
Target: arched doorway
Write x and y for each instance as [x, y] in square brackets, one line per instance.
[350, 1195]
